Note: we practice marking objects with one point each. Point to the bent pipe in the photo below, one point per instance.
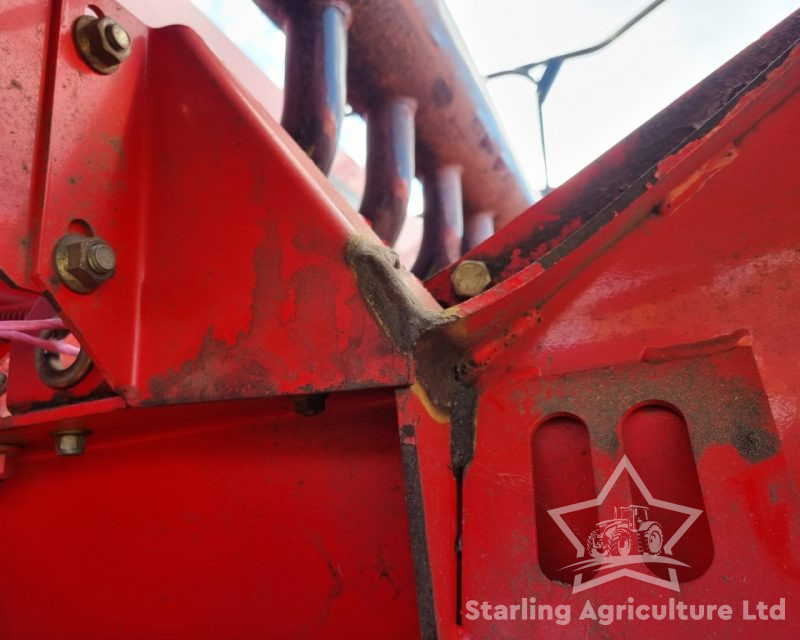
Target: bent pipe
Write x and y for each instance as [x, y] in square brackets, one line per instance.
[390, 166]
[315, 91]
[477, 228]
[443, 220]
[411, 48]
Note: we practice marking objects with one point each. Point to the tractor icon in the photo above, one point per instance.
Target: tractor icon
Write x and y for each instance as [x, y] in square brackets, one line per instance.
[629, 530]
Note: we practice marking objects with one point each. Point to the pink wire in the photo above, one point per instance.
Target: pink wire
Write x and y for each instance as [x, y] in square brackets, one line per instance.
[31, 325]
[47, 345]
[14, 330]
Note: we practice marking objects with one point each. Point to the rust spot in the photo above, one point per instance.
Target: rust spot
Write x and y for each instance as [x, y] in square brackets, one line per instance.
[408, 432]
[740, 338]
[441, 361]
[381, 281]
[116, 143]
[720, 395]
[622, 175]
[220, 370]
[441, 93]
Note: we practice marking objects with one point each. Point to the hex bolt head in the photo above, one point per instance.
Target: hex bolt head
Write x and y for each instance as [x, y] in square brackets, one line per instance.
[70, 442]
[83, 263]
[470, 278]
[102, 43]
[101, 259]
[117, 37]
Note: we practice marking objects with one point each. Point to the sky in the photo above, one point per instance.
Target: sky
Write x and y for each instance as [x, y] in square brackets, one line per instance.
[596, 100]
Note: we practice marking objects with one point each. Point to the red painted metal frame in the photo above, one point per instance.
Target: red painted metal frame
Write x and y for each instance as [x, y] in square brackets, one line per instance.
[619, 312]
[646, 308]
[222, 229]
[224, 520]
[217, 243]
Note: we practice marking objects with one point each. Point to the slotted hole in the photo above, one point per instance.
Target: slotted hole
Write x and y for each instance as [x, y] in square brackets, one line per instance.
[656, 440]
[562, 475]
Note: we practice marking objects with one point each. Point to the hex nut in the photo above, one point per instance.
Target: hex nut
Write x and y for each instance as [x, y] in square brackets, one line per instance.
[84, 263]
[102, 43]
[470, 278]
[71, 442]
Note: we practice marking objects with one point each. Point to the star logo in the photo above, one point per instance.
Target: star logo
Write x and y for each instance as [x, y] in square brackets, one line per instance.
[630, 538]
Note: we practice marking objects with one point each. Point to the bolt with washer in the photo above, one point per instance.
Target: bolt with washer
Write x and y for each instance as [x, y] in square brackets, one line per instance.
[71, 442]
[84, 263]
[102, 43]
[470, 278]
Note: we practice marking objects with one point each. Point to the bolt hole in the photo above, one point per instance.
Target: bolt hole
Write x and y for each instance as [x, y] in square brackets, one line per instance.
[656, 440]
[63, 361]
[311, 404]
[59, 370]
[94, 11]
[562, 475]
[81, 227]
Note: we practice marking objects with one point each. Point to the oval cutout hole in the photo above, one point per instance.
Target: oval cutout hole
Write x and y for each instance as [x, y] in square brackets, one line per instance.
[562, 475]
[656, 441]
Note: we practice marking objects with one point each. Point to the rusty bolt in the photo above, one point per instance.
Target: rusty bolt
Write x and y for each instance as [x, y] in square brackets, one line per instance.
[102, 43]
[470, 278]
[117, 37]
[84, 263]
[101, 259]
[71, 442]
